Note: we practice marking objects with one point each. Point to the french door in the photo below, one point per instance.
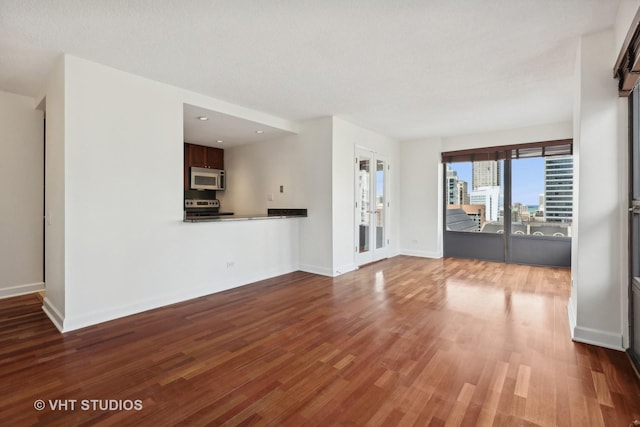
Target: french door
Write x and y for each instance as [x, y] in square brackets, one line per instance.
[371, 206]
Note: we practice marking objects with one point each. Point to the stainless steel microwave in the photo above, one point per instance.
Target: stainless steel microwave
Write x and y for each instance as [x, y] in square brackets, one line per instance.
[207, 179]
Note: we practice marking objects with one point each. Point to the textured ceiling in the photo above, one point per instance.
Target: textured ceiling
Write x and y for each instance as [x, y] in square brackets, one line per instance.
[407, 69]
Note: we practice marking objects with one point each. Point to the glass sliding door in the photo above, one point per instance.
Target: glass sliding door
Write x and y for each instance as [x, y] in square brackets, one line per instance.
[371, 206]
[510, 204]
[541, 210]
[527, 201]
[474, 209]
[634, 230]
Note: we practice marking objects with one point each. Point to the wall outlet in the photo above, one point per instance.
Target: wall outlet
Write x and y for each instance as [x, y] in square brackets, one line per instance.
[231, 264]
[270, 197]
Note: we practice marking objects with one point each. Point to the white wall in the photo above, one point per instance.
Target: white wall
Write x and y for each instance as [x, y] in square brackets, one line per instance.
[421, 189]
[547, 132]
[53, 100]
[316, 238]
[257, 170]
[421, 177]
[125, 247]
[626, 12]
[21, 192]
[116, 157]
[575, 238]
[596, 260]
[346, 136]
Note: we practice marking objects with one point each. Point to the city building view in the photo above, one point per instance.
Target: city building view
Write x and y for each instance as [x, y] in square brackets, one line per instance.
[542, 196]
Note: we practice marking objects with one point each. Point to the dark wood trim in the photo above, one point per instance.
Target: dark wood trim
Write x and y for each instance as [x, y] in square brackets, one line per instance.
[627, 66]
[498, 152]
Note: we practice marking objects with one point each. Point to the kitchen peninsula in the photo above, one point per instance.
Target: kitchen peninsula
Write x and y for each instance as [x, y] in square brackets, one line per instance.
[271, 214]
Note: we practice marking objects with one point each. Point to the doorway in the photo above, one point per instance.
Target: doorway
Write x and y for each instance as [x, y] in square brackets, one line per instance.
[44, 199]
[371, 206]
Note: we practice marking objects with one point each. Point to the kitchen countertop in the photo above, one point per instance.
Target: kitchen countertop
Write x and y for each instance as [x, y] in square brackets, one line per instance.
[272, 214]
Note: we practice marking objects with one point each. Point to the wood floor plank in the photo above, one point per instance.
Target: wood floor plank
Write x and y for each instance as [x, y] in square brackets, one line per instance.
[405, 341]
[522, 381]
[460, 406]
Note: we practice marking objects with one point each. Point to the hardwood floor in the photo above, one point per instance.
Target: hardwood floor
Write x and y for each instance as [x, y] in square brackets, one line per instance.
[406, 341]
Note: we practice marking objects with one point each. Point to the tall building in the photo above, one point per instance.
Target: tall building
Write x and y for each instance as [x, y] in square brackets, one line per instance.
[363, 181]
[463, 192]
[520, 212]
[489, 197]
[485, 174]
[540, 211]
[452, 187]
[558, 189]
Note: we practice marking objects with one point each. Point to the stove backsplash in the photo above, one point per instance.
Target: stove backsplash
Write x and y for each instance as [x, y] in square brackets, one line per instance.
[200, 194]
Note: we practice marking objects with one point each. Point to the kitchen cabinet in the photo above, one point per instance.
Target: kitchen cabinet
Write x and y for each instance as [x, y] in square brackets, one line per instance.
[200, 156]
[186, 166]
[214, 158]
[196, 155]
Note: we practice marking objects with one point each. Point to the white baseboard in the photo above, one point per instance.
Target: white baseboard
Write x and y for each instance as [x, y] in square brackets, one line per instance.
[572, 316]
[72, 323]
[599, 338]
[344, 269]
[422, 254]
[322, 271]
[14, 291]
[53, 313]
[591, 336]
[88, 319]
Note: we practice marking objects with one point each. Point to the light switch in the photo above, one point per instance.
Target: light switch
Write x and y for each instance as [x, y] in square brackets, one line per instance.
[270, 197]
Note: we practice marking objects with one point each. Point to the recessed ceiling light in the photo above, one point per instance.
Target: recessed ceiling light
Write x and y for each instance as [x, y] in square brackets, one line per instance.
[219, 141]
[259, 132]
[203, 118]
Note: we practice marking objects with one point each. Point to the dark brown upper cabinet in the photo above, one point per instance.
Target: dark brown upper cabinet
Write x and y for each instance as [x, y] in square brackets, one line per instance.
[200, 156]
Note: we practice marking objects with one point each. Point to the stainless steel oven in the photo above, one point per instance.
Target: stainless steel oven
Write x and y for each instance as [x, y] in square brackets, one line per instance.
[207, 179]
[200, 208]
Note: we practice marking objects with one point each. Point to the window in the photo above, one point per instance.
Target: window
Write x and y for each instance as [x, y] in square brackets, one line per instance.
[542, 196]
[510, 203]
[475, 196]
[541, 189]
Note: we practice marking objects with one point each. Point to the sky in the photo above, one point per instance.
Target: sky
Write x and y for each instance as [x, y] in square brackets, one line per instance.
[527, 178]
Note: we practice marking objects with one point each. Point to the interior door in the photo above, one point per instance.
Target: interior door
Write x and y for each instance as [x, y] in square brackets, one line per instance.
[371, 206]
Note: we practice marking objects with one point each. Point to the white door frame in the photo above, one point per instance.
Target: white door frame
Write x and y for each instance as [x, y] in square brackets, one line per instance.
[373, 253]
